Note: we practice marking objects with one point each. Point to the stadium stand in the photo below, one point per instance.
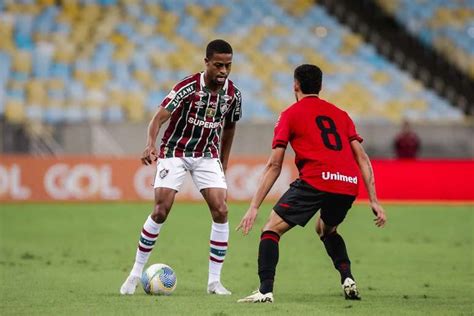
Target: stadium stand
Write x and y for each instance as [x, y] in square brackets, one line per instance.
[446, 25]
[111, 60]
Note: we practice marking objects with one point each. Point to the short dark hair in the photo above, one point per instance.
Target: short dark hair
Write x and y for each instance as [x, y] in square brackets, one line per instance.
[309, 77]
[218, 46]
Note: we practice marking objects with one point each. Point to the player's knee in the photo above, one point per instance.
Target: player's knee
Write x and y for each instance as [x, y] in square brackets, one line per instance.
[323, 230]
[219, 212]
[319, 230]
[160, 213]
[328, 231]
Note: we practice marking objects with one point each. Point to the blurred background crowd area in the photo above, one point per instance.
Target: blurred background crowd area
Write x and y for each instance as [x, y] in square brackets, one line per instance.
[103, 62]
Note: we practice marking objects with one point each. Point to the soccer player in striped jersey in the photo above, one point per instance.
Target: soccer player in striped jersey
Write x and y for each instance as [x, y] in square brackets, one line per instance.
[202, 111]
[329, 157]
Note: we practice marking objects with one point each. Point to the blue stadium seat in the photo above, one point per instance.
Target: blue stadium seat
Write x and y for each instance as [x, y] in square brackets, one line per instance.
[439, 21]
[114, 114]
[154, 44]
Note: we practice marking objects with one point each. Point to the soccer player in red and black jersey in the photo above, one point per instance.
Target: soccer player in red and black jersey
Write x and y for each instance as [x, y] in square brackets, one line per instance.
[202, 111]
[329, 157]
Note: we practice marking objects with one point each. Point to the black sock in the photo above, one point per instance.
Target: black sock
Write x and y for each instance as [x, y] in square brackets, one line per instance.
[336, 249]
[267, 260]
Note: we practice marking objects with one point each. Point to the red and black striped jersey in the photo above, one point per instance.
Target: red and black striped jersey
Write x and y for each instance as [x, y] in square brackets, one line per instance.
[197, 117]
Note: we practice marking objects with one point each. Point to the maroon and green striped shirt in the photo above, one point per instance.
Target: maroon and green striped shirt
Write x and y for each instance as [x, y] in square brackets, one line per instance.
[197, 117]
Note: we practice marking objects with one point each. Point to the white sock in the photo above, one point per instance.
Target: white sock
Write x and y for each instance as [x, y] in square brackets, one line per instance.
[218, 243]
[148, 237]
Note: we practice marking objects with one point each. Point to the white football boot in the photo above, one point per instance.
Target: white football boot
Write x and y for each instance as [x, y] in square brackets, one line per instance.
[130, 285]
[257, 297]
[350, 290]
[217, 288]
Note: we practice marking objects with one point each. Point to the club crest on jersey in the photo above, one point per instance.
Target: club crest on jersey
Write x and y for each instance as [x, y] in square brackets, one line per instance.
[224, 107]
[226, 98]
[210, 112]
[164, 173]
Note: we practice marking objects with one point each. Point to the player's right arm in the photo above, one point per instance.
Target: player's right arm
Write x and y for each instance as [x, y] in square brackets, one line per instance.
[171, 103]
[272, 170]
[270, 175]
[367, 172]
[150, 154]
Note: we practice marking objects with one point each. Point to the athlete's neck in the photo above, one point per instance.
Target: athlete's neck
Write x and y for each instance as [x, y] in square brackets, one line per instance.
[212, 85]
[300, 96]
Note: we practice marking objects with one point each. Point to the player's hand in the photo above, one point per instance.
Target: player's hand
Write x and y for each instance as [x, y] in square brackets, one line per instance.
[149, 155]
[248, 220]
[379, 212]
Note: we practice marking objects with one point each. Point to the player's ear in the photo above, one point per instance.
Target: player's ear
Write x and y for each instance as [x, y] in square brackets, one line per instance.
[206, 60]
[296, 86]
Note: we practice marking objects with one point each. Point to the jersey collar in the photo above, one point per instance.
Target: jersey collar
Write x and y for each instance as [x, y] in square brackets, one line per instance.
[203, 84]
[310, 96]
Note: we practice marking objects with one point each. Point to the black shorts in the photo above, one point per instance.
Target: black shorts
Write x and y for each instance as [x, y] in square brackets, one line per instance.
[299, 204]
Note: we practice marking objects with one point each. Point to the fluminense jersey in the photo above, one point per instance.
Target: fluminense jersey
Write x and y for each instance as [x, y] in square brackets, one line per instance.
[197, 117]
[320, 134]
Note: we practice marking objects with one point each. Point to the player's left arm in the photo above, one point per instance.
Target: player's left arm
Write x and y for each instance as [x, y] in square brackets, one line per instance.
[367, 172]
[226, 142]
[270, 175]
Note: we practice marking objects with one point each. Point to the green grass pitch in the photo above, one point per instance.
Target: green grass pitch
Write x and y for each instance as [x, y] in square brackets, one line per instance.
[71, 260]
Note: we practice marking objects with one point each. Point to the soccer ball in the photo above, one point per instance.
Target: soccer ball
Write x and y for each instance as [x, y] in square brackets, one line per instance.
[159, 279]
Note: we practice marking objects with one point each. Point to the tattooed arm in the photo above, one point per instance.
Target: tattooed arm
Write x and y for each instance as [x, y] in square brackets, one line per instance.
[369, 180]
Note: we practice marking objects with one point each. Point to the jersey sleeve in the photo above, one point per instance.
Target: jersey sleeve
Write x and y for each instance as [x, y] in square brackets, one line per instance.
[281, 135]
[352, 132]
[236, 113]
[175, 97]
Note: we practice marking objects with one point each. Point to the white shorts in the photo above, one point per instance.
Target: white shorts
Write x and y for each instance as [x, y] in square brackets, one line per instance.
[206, 173]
